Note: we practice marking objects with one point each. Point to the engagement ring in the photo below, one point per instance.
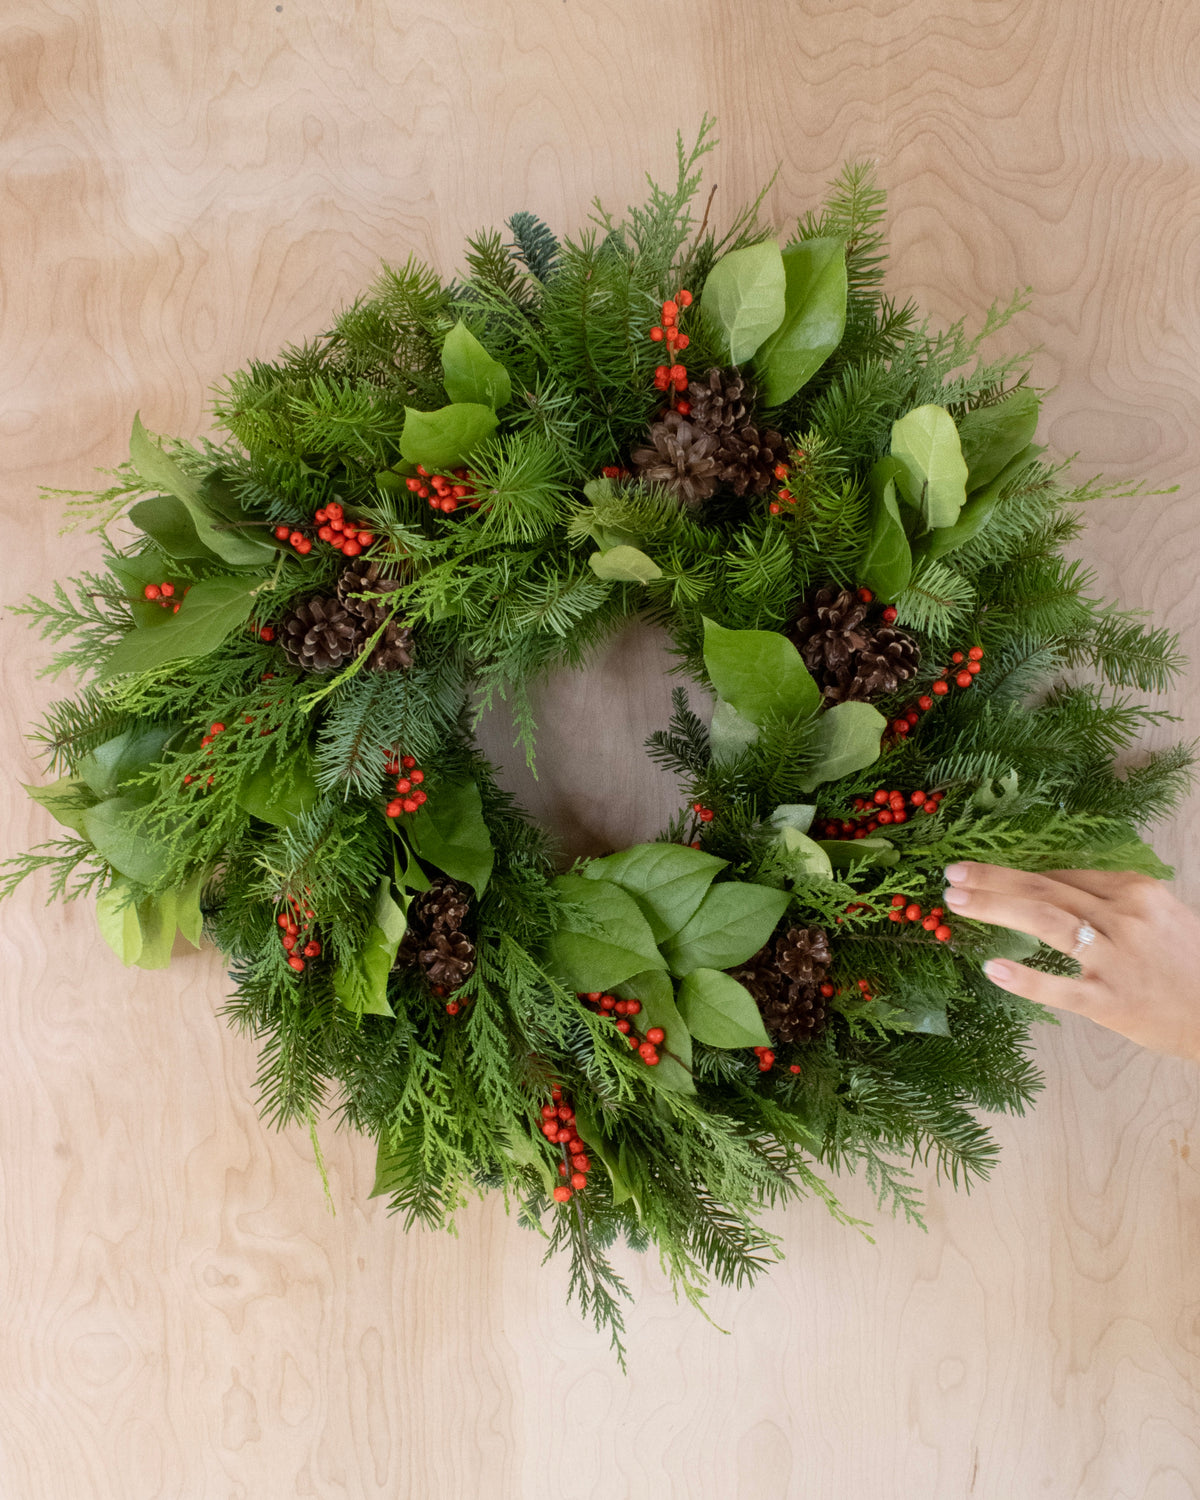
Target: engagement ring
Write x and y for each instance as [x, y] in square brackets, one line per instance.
[1085, 936]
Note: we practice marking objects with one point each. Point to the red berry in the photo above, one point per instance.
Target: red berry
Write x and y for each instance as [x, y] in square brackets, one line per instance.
[975, 653]
[929, 922]
[889, 614]
[267, 633]
[453, 1008]
[957, 657]
[334, 511]
[963, 679]
[942, 933]
[974, 666]
[351, 549]
[565, 1112]
[409, 805]
[326, 533]
[312, 950]
[418, 777]
[899, 900]
[656, 1035]
[166, 590]
[562, 1194]
[865, 596]
[623, 1027]
[684, 408]
[580, 1162]
[917, 799]
[827, 990]
[633, 1007]
[795, 1068]
[912, 913]
[684, 298]
[901, 726]
[296, 963]
[288, 941]
[880, 798]
[404, 784]
[549, 1112]
[408, 762]
[682, 341]
[393, 809]
[607, 1002]
[670, 311]
[895, 916]
[562, 1169]
[578, 1181]
[899, 816]
[657, 335]
[366, 538]
[925, 703]
[152, 591]
[563, 1134]
[550, 1131]
[774, 507]
[885, 816]
[941, 689]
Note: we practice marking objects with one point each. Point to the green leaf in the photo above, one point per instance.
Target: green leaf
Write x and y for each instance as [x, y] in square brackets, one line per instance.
[280, 792]
[744, 297]
[1007, 942]
[977, 512]
[797, 815]
[719, 1011]
[445, 438]
[117, 919]
[239, 548]
[668, 881]
[448, 831]
[130, 851]
[654, 989]
[110, 765]
[527, 1153]
[887, 563]
[168, 522]
[759, 672]
[473, 377]
[814, 319]
[361, 983]
[606, 942]
[624, 565]
[211, 611]
[66, 800]
[591, 1136]
[729, 734]
[933, 473]
[844, 853]
[929, 1018]
[732, 922]
[846, 738]
[807, 856]
[187, 908]
[157, 919]
[992, 436]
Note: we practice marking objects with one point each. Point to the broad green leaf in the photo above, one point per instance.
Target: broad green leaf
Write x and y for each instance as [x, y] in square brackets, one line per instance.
[933, 473]
[445, 438]
[887, 563]
[241, 548]
[130, 851]
[157, 917]
[449, 832]
[729, 734]
[590, 1134]
[66, 800]
[929, 1019]
[280, 793]
[992, 436]
[668, 881]
[846, 738]
[732, 922]
[117, 919]
[844, 853]
[394, 1170]
[1007, 942]
[808, 858]
[797, 815]
[472, 375]
[606, 942]
[168, 522]
[719, 1011]
[527, 1153]
[657, 994]
[977, 512]
[759, 672]
[409, 874]
[624, 565]
[814, 319]
[361, 983]
[212, 610]
[119, 759]
[744, 297]
[187, 908]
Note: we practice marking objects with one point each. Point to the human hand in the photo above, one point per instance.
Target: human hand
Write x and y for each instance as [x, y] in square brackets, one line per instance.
[1141, 972]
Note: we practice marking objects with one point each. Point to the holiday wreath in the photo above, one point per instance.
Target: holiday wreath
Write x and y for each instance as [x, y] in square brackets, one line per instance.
[850, 538]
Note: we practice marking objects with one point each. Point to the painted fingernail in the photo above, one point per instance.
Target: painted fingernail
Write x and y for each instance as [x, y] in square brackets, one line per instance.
[956, 872]
[999, 973]
[956, 897]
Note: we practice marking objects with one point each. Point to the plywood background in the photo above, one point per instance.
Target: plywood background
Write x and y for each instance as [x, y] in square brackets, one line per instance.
[190, 183]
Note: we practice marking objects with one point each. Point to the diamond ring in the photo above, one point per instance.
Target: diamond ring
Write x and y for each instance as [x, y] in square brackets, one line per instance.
[1085, 936]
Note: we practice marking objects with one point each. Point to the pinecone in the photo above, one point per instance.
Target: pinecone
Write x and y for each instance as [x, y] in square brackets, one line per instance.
[721, 401]
[681, 458]
[321, 635]
[747, 459]
[435, 940]
[785, 978]
[852, 657]
[359, 586]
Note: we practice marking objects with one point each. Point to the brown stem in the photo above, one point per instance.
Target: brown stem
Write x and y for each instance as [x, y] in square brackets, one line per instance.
[704, 220]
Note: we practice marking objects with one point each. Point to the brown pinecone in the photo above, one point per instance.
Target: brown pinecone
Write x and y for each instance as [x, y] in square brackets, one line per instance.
[852, 657]
[321, 635]
[747, 458]
[360, 587]
[435, 940]
[681, 458]
[785, 978]
[721, 401]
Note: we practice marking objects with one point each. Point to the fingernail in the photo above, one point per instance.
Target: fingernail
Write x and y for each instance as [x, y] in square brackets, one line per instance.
[956, 872]
[956, 897]
[999, 973]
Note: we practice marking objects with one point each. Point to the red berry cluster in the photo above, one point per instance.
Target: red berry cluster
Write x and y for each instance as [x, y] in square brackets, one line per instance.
[162, 594]
[263, 632]
[206, 745]
[705, 814]
[332, 527]
[295, 925]
[969, 664]
[558, 1126]
[445, 492]
[409, 793]
[615, 471]
[904, 910]
[880, 810]
[766, 1059]
[784, 495]
[673, 378]
[620, 1010]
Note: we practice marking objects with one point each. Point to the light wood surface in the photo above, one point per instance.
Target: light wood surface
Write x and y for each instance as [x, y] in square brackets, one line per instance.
[188, 185]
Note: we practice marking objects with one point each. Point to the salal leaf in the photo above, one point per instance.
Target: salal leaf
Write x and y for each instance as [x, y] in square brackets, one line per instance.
[117, 919]
[449, 831]
[744, 298]
[187, 908]
[157, 917]
[759, 672]
[846, 738]
[66, 800]
[592, 1137]
[241, 548]
[814, 319]
[280, 792]
[729, 734]
[624, 565]
[472, 376]
[992, 436]
[361, 982]
[527, 1153]
[602, 937]
[668, 881]
[887, 563]
[977, 512]
[844, 853]
[210, 612]
[107, 767]
[732, 922]
[168, 522]
[126, 847]
[933, 473]
[657, 995]
[797, 815]
[719, 1011]
[446, 438]
[806, 857]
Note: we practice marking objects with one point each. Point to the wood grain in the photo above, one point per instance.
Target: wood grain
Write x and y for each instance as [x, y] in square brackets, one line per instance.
[189, 185]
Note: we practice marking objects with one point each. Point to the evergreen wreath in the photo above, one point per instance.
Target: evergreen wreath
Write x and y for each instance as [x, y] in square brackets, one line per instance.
[854, 544]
